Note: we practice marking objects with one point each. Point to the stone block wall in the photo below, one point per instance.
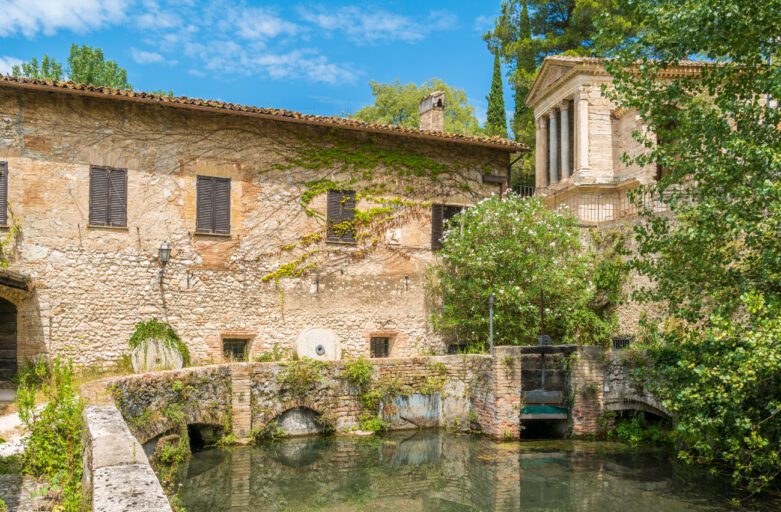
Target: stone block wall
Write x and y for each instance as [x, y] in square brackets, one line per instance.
[117, 473]
[93, 284]
[475, 392]
[587, 389]
[151, 402]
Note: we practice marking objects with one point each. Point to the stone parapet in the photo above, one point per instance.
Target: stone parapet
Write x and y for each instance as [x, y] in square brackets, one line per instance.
[117, 474]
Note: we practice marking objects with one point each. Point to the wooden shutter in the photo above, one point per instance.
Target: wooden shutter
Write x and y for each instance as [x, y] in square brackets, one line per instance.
[98, 196]
[340, 208]
[437, 217]
[222, 206]
[4, 194]
[213, 208]
[205, 204]
[117, 197]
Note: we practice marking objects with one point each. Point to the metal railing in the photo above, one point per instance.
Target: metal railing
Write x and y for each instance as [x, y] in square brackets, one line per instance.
[609, 205]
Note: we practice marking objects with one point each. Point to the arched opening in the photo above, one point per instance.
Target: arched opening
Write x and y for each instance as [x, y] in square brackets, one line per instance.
[8, 330]
[300, 421]
[203, 436]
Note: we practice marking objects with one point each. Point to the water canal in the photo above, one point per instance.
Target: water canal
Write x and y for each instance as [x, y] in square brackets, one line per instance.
[438, 471]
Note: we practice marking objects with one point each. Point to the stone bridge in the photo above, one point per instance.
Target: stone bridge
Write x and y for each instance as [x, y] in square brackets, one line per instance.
[459, 392]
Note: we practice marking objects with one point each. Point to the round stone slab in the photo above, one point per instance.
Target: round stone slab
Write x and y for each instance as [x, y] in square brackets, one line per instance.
[318, 343]
[153, 355]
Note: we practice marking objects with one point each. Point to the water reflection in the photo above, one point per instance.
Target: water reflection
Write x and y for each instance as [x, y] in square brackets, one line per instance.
[433, 471]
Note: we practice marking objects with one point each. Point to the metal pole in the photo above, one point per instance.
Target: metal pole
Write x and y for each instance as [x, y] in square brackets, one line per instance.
[491, 322]
[542, 312]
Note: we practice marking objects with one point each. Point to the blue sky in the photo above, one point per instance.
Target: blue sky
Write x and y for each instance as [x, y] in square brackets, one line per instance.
[316, 57]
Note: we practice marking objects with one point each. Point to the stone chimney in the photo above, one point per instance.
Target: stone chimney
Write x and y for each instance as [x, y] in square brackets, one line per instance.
[432, 112]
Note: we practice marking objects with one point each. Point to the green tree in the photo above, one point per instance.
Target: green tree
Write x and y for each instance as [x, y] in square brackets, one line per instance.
[398, 104]
[516, 249]
[496, 120]
[49, 69]
[716, 262]
[87, 65]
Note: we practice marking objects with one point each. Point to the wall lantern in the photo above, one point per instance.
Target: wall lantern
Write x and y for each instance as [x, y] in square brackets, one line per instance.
[164, 253]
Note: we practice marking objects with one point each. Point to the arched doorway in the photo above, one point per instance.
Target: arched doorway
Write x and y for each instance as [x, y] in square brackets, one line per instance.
[7, 340]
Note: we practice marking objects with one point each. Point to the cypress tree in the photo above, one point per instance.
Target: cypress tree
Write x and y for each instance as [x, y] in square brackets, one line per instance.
[496, 122]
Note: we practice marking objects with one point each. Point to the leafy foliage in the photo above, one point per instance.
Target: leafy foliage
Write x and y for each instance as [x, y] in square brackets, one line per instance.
[48, 69]
[86, 65]
[496, 120]
[636, 431]
[155, 329]
[716, 263]
[54, 447]
[302, 376]
[398, 104]
[358, 372]
[516, 249]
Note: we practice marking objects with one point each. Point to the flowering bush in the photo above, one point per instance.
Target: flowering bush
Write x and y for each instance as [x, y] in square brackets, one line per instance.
[517, 250]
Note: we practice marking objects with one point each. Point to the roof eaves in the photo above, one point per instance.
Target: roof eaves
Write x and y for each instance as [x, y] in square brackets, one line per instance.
[264, 113]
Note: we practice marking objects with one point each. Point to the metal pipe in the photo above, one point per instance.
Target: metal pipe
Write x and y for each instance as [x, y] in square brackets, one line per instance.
[491, 322]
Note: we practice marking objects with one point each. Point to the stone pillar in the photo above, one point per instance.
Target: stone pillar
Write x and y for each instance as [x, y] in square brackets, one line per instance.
[541, 153]
[583, 142]
[566, 172]
[553, 148]
[241, 415]
[506, 370]
[588, 385]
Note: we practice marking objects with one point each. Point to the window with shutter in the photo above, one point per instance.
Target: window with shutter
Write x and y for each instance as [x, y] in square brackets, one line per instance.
[213, 210]
[4, 194]
[440, 215]
[340, 214]
[108, 197]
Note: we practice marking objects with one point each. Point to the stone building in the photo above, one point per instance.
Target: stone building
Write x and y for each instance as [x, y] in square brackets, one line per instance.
[277, 221]
[582, 136]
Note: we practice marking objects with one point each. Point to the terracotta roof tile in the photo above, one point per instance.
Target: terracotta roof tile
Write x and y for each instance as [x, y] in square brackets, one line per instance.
[273, 113]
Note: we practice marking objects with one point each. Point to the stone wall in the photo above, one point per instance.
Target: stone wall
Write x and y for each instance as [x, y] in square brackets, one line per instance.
[587, 391]
[93, 284]
[117, 474]
[151, 402]
[474, 392]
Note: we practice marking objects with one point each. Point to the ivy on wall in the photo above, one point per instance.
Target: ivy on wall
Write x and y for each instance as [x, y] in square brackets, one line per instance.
[392, 186]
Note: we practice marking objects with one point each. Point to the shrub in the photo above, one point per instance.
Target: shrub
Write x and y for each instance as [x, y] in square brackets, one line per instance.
[358, 372]
[517, 249]
[159, 330]
[300, 377]
[54, 448]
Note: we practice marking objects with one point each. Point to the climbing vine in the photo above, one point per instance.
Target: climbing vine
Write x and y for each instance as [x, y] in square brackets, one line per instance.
[155, 329]
[8, 239]
[392, 186]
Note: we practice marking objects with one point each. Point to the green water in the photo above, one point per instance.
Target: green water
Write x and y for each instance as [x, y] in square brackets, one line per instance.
[435, 471]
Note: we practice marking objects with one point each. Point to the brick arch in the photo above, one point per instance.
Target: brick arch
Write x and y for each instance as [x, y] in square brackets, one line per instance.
[281, 408]
[29, 321]
[637, 403]
[192, 416]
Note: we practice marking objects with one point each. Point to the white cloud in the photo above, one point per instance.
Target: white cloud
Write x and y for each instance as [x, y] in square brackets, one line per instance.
[363, 25]
[31, 17]
[6, 63]
[231, 58]
[484, 23]
[144, 57]
[258, 24]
